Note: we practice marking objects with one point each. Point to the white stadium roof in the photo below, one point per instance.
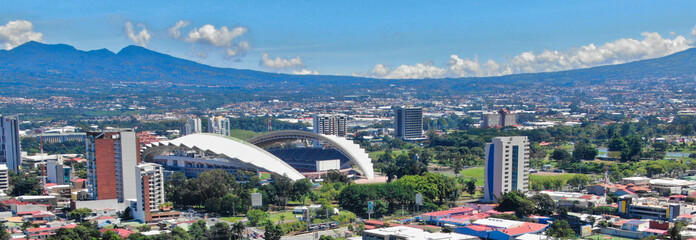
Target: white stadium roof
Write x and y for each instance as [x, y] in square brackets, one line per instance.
[233, 148]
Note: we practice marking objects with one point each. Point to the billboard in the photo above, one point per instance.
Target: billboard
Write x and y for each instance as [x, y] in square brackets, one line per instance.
[256, 200]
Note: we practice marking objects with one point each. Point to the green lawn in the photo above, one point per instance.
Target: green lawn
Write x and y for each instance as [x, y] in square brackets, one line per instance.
[289, 217]
[242, 134]
[231, 219]
[601, 237]
[374, 155]
[476, 173]
[563, 176]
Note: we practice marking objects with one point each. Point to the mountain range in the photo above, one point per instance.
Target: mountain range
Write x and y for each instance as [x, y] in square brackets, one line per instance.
[37, 66]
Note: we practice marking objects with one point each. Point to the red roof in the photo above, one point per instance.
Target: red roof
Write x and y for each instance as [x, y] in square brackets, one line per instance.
[374, 223]
[479, 228]
[525, 228]
[80, 180]
[658, 231]
[124, 233]
[685, 216]
[449, 212]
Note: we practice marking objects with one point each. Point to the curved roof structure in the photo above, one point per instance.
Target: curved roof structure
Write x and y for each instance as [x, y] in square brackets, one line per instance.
[351, 150]
[232, 148]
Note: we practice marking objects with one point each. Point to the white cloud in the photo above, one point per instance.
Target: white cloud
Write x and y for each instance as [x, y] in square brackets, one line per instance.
[141, 38]
[420, 70]
[693, 31]
[380, 70]
[174, 31]
[17, 32]
[221, 37]
[652, 45]
[305, 71]
[280, 63]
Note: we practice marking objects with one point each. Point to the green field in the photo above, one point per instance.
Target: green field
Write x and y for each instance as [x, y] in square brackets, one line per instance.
[609, 237]
[276, 217]
[231, 219]
[242, 134]
[476, 173]
[563, 177]
[374, 155]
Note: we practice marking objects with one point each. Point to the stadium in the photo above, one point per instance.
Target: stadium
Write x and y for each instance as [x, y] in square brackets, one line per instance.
[296, 154]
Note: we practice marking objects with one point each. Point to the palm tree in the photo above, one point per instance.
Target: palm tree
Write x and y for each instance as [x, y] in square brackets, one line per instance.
[238, 230]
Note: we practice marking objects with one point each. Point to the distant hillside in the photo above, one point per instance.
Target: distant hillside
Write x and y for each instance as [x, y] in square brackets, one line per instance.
[55, 67]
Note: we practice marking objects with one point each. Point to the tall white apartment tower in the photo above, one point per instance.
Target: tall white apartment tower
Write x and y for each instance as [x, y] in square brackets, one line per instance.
[192, 126]
[408, 123]
[4, 178]
[150, 194]
[219, 125]
[10, 152]
[507, 166]
[330, 124]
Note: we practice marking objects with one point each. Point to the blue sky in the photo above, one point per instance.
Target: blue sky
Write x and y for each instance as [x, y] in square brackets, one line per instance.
[390, 39]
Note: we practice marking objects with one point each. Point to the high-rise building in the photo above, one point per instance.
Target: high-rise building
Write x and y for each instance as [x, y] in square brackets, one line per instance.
[408, 123]
[150, 193]
[111, 158]
[58, 173]
[192, 126]
[507, 166]
[10, 152]
[219, 125]
[502, 118]
[330, 124]
[4, 178]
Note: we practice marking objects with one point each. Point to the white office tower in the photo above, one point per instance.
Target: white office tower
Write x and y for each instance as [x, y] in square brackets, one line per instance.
[58, 173]
[507, 166]
[219, 125]
[330, 124]
[408, 123]
[192, 126]
[10, 152]
[150, 196]
[4, 178]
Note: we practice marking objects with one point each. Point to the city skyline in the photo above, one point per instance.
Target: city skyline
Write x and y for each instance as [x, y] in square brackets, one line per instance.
[379, 40]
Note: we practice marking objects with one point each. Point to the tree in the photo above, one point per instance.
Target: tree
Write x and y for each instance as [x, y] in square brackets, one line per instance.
[24, 184]
[584, 151]
[126, 214]
[238, 230]
[674, 233]
[579, 181]
[543, 204]
[80, 213]
[300, 189]
[272, 232]
[515, 201]
[471, 186]
[633, 149]
[110, 235]
[180, 234]
[144, 228]
[616, 144]
[560, 154]
[561, 229]
[4, 235]
[198, 230]
[256, 216]
[220, 231]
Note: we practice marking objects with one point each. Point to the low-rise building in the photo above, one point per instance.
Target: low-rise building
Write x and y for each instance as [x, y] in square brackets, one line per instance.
[409, 233]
